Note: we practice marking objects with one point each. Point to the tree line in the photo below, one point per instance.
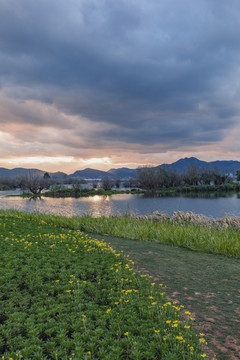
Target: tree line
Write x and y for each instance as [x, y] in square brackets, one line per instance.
[159, 178]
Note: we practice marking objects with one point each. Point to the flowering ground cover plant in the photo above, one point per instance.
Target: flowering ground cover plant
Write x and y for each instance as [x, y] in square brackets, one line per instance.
[66, 296]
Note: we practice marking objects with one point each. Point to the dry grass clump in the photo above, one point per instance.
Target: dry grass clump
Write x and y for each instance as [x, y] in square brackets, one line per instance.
[181, 217]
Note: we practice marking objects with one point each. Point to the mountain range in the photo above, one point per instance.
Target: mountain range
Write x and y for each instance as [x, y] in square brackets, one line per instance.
[224, 167]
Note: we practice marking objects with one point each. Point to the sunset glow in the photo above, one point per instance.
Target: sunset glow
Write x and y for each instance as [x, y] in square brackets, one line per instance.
[104, 160]
[38, 160]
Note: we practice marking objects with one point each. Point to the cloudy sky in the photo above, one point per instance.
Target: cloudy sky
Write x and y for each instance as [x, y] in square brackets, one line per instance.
[106, 83]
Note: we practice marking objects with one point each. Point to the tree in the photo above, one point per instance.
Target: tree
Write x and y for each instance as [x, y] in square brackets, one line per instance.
[117, 183]
[206, 175]
[94, 184]
[238, 175]
[174, 178]
[107, 184]
[149, 178]
[34, 182]
[191, 175]
[46, 176]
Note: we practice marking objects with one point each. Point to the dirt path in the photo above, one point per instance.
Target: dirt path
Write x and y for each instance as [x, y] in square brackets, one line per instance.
[207, 285]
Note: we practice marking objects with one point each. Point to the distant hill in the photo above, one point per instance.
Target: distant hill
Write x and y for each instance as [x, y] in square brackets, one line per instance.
[122, 173]
[183, 164]
[230, 166]
[58, 175]
[224, 167]
[90, 174]
[18, 172]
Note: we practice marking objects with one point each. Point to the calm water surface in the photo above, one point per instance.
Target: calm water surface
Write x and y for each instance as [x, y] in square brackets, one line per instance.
[227, 205]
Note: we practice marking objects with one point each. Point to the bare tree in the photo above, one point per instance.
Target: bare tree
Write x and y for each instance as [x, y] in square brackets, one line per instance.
[94, 184]
[107, 184]
[148, 178]
[7, 183]
[191, 175]
[174, 178]
[34, 182]
[117, 183]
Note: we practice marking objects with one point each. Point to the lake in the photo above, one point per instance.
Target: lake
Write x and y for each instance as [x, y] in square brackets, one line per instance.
[211, 205]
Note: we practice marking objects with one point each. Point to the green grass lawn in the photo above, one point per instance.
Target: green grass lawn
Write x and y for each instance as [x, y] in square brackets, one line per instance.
[65, 295]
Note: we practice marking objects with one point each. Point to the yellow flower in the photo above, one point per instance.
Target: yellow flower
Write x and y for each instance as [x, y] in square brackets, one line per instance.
[126, 333]
[175, 325]
[186, 326]
[157, 331]
[108, 311]
[179, 337]
[168, 322]
[203, 355]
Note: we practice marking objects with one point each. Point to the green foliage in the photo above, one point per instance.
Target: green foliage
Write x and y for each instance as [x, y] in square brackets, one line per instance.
[201, 189]
[78, 192]
[152, 179]
[66, 296]
[238, 175]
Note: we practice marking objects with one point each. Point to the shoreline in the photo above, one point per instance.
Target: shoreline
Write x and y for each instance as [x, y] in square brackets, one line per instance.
[173, 191]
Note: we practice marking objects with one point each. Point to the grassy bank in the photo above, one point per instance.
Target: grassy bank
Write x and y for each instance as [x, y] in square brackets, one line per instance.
[172, 191]
[78, 192]
[66, 296]
[232, 187]
[184, 230]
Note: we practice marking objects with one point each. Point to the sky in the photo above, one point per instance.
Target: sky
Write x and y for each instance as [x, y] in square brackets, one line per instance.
[108, 84]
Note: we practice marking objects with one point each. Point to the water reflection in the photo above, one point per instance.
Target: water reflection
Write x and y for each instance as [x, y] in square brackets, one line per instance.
[210, 204]
[194, 195]
[96, 198]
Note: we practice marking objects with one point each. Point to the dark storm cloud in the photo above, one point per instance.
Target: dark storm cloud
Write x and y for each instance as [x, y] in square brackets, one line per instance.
[154, 71]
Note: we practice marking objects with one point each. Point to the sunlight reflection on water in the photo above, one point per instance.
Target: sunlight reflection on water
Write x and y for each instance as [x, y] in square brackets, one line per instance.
[110, 205]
